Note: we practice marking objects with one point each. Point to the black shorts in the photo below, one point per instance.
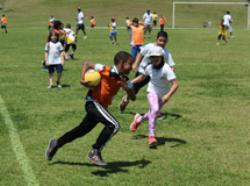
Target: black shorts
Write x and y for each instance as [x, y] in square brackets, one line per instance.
[59, 68]
[80, 27]
[67, 47]
[3, 26]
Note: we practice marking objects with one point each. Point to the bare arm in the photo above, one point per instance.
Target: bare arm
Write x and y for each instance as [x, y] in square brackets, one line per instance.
[62, 57]
[46, 58]
[127, 87]
[137, 61]
[138, 79]
[170, 93]
[85, 67]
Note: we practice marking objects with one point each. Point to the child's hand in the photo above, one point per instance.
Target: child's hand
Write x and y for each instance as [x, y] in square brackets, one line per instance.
[85, 83]
[164, 99]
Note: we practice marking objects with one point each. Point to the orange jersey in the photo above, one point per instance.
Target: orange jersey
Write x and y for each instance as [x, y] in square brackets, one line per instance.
[162, 21]
[107, 89]
[4, 21]
[137, 35]
[93, 22]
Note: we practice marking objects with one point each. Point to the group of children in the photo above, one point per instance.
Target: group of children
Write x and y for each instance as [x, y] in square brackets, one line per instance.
[156, 68]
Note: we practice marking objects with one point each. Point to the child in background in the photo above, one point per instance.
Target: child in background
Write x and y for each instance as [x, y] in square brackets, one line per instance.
[155, 18]
[137, 36]
[92, 22]
[54, 58]
[128, 23]
[51, 22]
[4, 24]
[113, 31]
[70, 42]
[222, 35]
[98, 99]
[162, 22]
[161, 87]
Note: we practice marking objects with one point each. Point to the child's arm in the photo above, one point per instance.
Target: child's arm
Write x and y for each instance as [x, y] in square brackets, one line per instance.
[62, 57]
[138, 79]
[170, 93]
[127, 86]
[137, 61]
[46, 57]
[85, 67]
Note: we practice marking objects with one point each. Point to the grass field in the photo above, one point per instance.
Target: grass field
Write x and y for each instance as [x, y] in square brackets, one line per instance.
[208, 145]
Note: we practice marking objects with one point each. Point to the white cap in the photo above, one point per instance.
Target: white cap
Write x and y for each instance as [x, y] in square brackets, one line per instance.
[155, 51]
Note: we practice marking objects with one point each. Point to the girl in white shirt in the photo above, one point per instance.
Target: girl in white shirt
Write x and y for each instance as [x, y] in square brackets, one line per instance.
[54, 58]
[161, 87]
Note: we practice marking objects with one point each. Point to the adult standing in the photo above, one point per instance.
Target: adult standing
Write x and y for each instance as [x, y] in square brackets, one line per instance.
[80, 22]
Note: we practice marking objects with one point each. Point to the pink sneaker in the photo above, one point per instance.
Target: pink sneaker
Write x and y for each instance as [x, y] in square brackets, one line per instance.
[135, 123]
[152, 141]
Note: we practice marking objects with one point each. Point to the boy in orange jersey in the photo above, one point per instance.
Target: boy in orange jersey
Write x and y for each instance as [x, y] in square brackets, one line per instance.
[92, 22]
[162, 22]
[97, 101]
[4, 24]
[137, 36]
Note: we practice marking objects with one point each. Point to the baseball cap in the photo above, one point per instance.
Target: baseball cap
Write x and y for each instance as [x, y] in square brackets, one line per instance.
[155, 51]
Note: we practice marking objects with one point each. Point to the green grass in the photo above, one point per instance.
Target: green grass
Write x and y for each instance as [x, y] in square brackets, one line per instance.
[208, 145]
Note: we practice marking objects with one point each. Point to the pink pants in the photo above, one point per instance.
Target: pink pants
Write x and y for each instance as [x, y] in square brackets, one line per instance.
[155, 104]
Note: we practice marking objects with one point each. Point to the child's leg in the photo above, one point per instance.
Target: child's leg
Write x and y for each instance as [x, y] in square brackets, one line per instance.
[154, 109]
[51, 72]
[59, 69]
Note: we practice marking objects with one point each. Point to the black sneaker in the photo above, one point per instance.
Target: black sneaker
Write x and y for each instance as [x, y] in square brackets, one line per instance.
[51, 150]
[95, 157]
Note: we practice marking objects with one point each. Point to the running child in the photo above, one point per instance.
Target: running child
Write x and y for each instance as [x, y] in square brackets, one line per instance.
[70, 42]
[113, 31]
[142, 60]
[54, 58]
[92, 22]
[80, 22]
[161, 87]
[162, 22]
[97, 101]
[4, 24]
[222, 34]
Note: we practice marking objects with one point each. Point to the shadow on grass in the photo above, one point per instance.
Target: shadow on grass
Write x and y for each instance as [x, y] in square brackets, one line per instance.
[111, 168]
[162, 140]
[163, 115]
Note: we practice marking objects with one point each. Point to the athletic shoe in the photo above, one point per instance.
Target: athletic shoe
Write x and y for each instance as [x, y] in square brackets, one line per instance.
[135, 123]
[59, 86]
[152, 141]
[124, 103]
[95, 157]
[51, 150]
[50, 86]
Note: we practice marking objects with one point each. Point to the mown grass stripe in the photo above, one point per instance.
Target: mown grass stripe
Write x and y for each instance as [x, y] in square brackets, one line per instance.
[18, 147]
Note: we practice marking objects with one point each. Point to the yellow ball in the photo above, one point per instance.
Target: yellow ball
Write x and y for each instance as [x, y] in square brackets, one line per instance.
[93, 77]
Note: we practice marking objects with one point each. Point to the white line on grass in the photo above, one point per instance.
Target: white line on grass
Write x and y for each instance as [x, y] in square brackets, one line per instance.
[18, 147]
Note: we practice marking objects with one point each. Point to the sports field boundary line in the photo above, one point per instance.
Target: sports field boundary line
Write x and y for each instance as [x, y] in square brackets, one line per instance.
[17, 146]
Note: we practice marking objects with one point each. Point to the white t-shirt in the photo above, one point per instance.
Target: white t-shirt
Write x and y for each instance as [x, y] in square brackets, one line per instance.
[159, 79]
[227, 19]
[80, 17]
[146, 61]
[54, 52]
[70, 35]
[148, 19]
[113, 27]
